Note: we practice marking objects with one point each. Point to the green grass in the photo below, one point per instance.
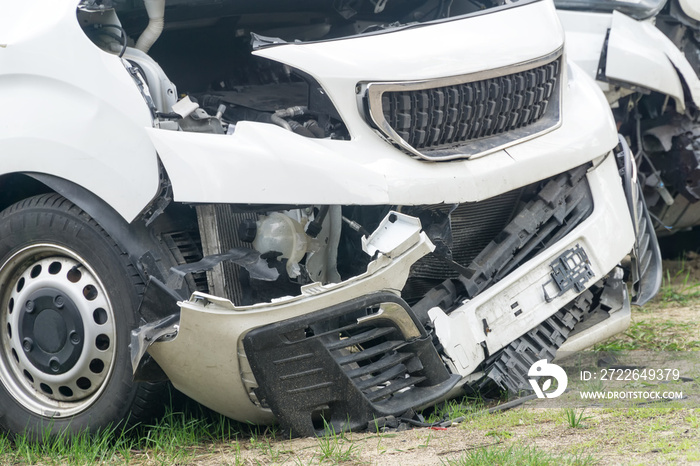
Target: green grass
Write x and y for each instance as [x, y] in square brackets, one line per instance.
[507, 419]
[499, 434]
[668, 431]
[574, 420]
[655, 336]
[106, 446]
[335, 447]
[177, 437]
[518, 455]
[677, 286]
[454, 409]
[5, 446]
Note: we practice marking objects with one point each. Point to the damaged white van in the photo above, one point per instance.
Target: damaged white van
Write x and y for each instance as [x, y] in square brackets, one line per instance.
[300, 212]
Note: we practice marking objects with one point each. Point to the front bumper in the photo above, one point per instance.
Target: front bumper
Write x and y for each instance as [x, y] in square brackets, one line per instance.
[232, 358]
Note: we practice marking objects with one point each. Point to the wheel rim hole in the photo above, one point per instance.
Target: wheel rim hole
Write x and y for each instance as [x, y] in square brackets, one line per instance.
[55, 268]
[9, 331]
[102, 342]
[46, 389]
[100, 316]
[11, 305]
[74, 275]
[90, 292]
[65, 391]
[14, 354]
[96, 366]
[36, 271]
[20, 284]
[83, 383]
[28, 376]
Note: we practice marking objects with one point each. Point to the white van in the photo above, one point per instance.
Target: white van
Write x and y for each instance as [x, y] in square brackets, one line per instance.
[341, 212]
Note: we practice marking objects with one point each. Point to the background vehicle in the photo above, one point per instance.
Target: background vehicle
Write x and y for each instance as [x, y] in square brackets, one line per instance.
[370, 207]
[645, 56]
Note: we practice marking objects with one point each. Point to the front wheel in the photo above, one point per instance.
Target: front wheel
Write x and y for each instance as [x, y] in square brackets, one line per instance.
[68, 300]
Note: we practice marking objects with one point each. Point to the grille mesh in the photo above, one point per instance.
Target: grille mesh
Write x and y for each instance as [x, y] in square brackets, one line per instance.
[474, 225]
[372, 358]
[447, 116]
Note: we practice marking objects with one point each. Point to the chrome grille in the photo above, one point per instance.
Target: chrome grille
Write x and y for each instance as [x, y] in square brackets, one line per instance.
[464, 116]
[453, 114]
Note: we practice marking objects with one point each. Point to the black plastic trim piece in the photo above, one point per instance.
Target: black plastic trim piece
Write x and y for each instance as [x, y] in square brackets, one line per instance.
[308, 378]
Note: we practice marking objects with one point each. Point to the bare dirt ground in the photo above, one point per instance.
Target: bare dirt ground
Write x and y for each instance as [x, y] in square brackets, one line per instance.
[657, 433]
[667, 437]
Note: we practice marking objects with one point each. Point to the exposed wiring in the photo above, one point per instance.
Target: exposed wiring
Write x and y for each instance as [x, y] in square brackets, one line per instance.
[123, 38]
[110, 34]
[356, 226]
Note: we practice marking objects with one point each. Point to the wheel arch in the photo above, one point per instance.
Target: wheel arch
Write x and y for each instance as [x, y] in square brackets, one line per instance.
[138, 241]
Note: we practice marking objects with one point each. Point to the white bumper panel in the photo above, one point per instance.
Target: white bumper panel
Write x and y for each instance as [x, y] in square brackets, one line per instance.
[607, 236]
[638, 53]
[691, 8]
[265, 164]
[206, 360]
[585, 38]
[203, 361]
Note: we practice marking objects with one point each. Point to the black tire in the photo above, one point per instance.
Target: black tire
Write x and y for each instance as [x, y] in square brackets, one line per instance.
[68, 301]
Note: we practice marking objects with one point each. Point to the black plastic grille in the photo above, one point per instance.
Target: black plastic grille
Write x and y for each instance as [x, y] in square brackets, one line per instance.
[372, 358]
[474, 225]
[346, 365]
[479, 230]
[450, 115]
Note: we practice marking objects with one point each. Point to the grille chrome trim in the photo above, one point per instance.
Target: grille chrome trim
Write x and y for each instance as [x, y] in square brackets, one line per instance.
[370, 99]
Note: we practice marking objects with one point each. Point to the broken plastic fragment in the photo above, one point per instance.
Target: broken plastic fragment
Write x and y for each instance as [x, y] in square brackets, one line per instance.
[184, 107]
[257, 41]
[246, 258]
[393, 236]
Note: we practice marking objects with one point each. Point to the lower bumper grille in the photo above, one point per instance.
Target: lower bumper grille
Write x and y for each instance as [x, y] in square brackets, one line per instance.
[346, 365]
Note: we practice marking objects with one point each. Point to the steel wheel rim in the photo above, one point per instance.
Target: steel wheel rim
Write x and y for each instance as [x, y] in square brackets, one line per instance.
[60, 373]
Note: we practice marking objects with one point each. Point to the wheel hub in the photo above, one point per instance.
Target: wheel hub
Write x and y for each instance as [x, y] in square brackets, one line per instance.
[57, 331]
[51, 331]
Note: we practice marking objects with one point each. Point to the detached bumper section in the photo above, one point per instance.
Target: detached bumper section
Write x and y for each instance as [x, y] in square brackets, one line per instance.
[346, 353]
[347, 364]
